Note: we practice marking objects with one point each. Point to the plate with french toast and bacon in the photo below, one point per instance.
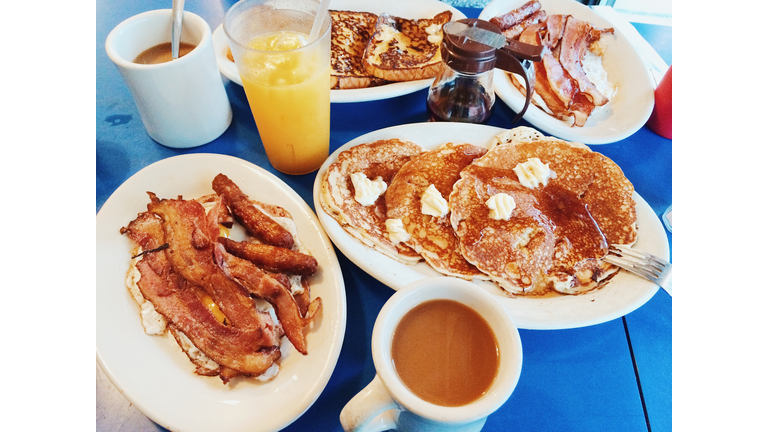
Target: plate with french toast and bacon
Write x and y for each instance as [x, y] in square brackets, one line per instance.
[592, 86]
[528, 217]
[220, 301]
[379, 50]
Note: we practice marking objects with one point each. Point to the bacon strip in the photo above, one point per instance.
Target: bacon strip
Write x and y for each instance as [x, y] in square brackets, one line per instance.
[555, 27]
[515, 16]
[261, 285]
[257, 223]
[218, 214]
[147, 231]
[577, 37]
[228, 346]
[514, 31]
[271, 258]
[187, 231]
[543, 86]
[581, 107]
[223, 214]
[174, 276]
[560, 83]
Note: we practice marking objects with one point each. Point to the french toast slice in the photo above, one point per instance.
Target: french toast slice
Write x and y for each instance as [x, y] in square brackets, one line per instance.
[403, 49]
[350, 32]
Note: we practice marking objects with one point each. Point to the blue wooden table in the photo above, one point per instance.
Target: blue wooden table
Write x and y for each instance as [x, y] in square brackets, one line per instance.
[615, 376]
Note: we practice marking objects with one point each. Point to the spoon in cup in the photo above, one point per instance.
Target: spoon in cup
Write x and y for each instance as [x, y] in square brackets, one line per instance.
[176, 16]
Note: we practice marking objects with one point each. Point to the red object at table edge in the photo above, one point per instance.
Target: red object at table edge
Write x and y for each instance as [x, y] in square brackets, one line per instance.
[661, 117]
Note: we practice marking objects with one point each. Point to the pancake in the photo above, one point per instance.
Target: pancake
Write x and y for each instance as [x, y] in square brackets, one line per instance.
[558, 233]
[518, 134]
[367, 223]
[432, 236]
[514, 253]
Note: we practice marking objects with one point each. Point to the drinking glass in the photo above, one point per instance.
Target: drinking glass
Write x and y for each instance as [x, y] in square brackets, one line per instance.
[286, 78]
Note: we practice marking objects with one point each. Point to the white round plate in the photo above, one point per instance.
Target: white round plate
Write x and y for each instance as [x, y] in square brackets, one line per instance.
[621, 296]
[622, 116]
[411, 9]
[151, 371]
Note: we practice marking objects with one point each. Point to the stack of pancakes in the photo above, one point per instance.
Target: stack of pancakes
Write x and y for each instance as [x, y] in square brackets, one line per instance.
[553, 241]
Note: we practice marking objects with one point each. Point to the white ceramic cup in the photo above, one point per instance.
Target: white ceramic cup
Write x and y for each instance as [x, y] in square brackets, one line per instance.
[182, 103]
[386, 403]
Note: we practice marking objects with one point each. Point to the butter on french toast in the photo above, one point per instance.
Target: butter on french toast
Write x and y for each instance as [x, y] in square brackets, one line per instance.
[403, 49]
[350, 33]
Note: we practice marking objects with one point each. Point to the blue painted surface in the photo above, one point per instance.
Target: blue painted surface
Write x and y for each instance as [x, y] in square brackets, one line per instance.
[572, 380]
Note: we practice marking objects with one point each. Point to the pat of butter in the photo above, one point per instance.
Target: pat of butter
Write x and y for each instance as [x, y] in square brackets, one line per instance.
[432, 203]
[387, 33]
[396, 231]
[434, 33]
[394, 39]
[533, 172]
[501, 206]
[367, 191]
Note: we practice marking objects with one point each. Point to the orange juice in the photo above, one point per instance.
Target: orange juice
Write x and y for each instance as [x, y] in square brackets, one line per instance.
[287, 85]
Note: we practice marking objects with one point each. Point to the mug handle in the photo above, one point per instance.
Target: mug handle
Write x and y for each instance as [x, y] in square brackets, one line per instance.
[368, 410]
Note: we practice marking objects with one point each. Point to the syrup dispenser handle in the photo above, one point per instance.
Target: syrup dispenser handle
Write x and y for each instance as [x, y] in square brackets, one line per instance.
[507, 59]
[523, 50]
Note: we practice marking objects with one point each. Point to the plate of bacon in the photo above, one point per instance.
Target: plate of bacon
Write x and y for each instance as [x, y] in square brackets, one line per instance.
[592, 86]
[220, 303]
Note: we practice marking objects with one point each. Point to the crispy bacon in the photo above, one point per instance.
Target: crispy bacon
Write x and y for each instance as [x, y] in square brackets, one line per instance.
[515, 16]
[228, 346]
[250, 344]
[581, 107]
[577, 36]
[187, 231]
[223, 214]
[564, 87]
[257, 223]
[147, 231]
[272, 258]
[514, 31]
[179, 266]
[218, 214]
[261, 285]
[560, 84]
[543, 86]
[555, 27]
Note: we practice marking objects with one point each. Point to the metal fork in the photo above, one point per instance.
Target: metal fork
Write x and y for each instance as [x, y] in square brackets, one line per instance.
[642, 264]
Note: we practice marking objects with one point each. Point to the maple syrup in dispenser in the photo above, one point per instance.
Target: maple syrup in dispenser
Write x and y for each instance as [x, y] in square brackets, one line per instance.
[463, 88]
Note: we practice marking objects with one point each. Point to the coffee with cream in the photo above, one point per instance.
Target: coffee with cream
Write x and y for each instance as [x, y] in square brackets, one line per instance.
[161, 53]
[445, 353]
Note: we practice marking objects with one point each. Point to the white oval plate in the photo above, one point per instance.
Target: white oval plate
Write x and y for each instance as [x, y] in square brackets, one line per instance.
[622, 116]
[621, 296]
[411, 9]
[151, 371]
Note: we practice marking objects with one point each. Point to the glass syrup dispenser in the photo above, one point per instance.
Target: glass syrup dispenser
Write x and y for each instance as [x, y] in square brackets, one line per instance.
[463, 88]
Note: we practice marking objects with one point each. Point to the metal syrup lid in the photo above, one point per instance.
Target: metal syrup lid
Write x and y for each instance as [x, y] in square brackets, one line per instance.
[464, 54]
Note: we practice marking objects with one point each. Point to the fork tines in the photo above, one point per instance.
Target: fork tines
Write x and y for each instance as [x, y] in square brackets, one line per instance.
[641, 263]
[640, 257]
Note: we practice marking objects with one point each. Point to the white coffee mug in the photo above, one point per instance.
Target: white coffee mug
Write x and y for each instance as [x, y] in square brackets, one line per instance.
[386, 403]
[182, 103]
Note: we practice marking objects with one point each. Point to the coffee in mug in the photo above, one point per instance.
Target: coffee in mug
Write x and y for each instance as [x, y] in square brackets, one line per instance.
[411, 339]
[445, 353]
[162, 53]
[182, 103]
